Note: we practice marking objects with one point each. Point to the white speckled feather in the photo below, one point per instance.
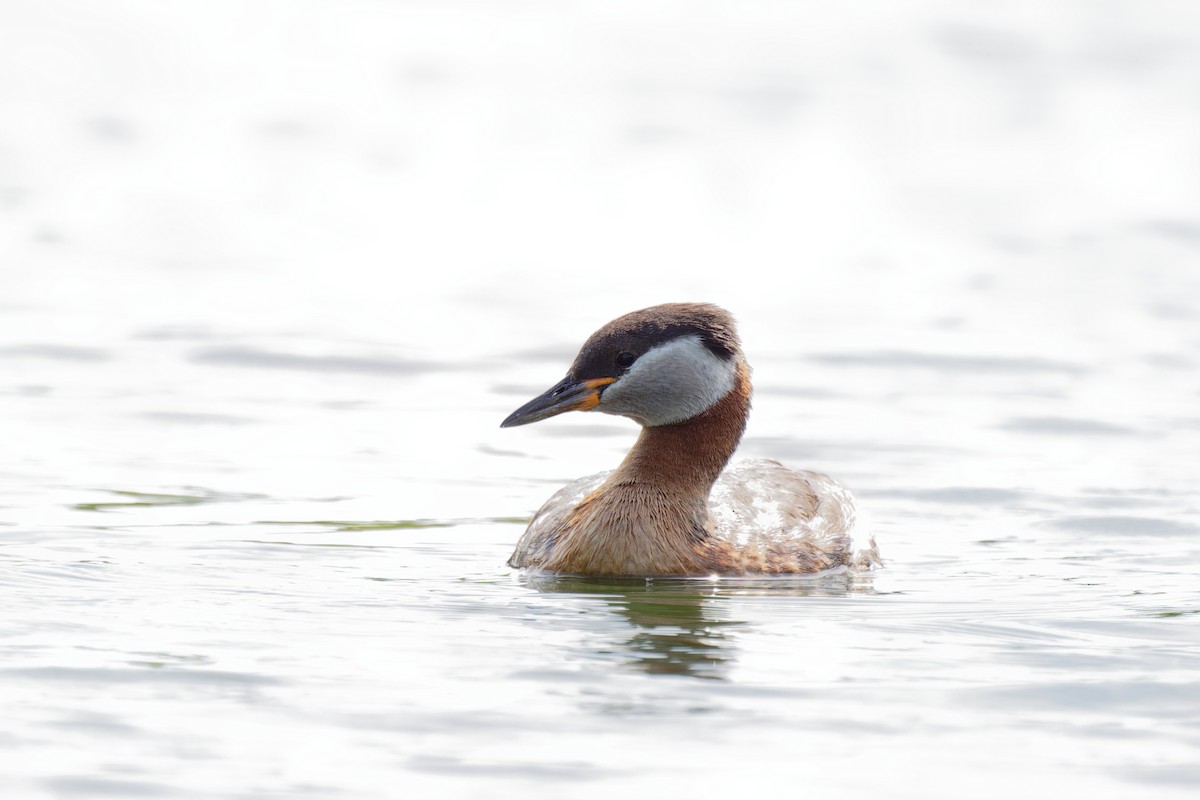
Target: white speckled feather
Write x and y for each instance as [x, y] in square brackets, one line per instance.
[756, 505]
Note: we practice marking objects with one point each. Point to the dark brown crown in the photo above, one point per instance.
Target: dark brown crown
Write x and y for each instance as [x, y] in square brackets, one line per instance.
[606, 352]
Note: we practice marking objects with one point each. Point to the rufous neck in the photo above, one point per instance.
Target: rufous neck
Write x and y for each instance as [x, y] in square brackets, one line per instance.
[688, 456]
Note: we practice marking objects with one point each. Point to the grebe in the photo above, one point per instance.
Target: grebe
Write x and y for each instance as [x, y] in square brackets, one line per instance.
[668, 509]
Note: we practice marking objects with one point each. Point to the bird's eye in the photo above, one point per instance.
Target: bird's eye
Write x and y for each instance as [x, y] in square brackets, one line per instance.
[625, 359]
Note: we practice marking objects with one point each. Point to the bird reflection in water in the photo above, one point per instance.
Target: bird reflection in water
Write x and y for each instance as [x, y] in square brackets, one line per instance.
[687, 627]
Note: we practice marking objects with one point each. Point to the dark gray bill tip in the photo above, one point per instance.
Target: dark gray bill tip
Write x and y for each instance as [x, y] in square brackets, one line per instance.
[566, 395]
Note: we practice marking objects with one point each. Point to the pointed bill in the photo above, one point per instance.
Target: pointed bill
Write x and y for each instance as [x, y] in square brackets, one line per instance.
[566, 395]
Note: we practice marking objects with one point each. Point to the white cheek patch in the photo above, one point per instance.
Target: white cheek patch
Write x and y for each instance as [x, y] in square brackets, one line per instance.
[670, 383]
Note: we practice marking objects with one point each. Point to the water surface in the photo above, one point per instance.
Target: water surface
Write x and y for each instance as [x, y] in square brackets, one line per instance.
[267, 298]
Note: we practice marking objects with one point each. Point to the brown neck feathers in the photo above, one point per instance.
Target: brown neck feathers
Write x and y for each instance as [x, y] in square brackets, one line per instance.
[688, 456]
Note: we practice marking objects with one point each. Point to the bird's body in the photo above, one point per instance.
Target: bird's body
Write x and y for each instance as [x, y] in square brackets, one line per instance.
[671, 507]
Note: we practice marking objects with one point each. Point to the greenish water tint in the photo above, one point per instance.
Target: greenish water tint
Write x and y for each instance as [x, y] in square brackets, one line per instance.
[396, 525]
[142, 499]
[374, 525]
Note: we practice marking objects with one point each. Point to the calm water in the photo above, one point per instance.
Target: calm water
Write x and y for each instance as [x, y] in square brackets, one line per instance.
[272, 276]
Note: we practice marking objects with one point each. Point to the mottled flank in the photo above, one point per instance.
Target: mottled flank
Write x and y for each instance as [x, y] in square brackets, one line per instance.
[775, 520]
